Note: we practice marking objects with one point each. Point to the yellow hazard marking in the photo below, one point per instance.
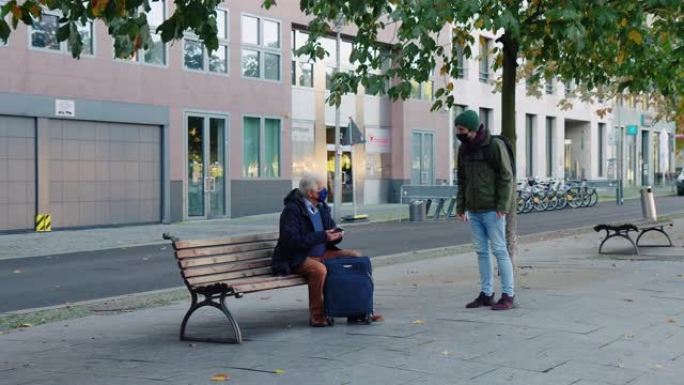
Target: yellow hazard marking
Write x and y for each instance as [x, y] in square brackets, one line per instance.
[43, 222]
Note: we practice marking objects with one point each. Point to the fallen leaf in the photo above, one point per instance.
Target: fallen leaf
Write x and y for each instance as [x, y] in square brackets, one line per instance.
[17, 272]
[657, 366]
[220, 377]
[418, 322]
[264, 298]
[628, 335]
[445, 353]
[145, 259]
[25, 325]
[279, 371]
[671, 321]
[628, 300]
[680, 275]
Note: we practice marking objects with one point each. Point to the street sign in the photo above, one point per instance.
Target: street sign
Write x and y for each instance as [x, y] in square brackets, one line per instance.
[632, 129]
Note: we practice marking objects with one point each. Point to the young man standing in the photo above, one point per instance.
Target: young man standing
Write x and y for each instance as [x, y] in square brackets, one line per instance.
[485, 178]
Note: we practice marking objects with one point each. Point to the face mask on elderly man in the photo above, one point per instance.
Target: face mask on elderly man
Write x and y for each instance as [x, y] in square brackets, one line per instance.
[322, 195]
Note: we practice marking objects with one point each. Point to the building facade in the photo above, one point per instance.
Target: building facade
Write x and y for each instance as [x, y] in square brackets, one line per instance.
[176, 134]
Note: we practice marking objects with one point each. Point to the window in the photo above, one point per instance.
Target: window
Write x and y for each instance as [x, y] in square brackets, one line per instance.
[197, 58]
[44, 34]
[156, 53]
[486, 118]
[529, 142]
[568, 88]
[550, 124]
[422, 90]
[260, 48]
[601, 133]
[549, 87]
[460, 62]
[302, 69]
[484, 58]
[261, 147]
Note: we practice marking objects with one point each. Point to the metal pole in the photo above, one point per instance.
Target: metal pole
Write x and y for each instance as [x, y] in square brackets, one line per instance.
[337, 193]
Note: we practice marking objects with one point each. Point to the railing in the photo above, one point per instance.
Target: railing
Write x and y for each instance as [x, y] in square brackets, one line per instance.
[441, 194]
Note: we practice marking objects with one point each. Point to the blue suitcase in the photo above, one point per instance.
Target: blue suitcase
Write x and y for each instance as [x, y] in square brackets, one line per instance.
[348, 288]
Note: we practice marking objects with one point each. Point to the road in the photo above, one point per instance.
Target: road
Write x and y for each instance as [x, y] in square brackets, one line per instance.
[53, 280]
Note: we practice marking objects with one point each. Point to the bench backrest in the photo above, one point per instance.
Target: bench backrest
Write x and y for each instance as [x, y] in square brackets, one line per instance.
[207, 262]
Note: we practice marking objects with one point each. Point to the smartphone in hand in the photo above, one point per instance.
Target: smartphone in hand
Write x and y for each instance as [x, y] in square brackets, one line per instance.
[338, 230]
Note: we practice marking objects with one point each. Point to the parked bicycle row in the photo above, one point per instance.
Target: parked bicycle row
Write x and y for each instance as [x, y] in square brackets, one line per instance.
[533, 195]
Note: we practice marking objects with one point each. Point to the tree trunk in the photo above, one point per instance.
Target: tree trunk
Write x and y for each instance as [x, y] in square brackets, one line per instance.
[510, 56]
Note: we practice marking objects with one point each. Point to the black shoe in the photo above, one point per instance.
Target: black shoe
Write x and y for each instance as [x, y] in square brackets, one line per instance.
[481, 300]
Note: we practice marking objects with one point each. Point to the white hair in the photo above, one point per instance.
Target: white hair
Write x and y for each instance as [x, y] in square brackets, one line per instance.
[309, 182]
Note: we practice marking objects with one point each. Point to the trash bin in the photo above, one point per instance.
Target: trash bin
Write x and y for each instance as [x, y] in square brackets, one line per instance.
[417, 211]
[648, 204]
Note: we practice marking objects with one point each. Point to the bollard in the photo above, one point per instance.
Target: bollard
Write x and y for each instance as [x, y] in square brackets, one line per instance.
[417, 211]
[648, 204]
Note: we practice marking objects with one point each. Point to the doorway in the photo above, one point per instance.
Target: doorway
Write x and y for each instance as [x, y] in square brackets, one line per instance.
[206, 164]
[422, 158]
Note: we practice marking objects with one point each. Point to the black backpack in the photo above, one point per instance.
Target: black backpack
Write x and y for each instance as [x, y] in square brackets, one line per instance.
[489, 156]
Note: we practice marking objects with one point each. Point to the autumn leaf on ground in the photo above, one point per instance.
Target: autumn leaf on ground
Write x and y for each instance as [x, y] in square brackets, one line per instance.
[671, 321]
[17, 272]
[264, 298]
[418, 322]
[628, 300]
[25, 325]
[445, 353]
[279, 371]
[220, 377]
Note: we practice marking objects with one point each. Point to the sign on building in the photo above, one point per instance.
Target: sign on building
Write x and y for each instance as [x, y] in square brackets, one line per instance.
[377, 141]
[65, 108]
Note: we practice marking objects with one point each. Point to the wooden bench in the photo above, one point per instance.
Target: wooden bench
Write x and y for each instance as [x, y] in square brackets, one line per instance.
[228, 267]
[640, 227]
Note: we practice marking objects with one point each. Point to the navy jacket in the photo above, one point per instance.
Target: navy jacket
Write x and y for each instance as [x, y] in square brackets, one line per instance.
[297, 234]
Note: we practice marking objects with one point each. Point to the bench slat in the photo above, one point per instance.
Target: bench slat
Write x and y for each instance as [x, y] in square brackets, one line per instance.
[226, 268]
[225, 258]
[225, 249]
[206, 280]
[268, 285]
[226, 241]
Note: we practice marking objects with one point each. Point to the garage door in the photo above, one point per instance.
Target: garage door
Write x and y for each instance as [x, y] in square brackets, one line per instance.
[17, 173]
[104, 173]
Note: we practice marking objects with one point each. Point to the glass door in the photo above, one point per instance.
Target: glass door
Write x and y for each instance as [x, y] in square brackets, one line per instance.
[422, 158]
[206, 158]
[346, 169]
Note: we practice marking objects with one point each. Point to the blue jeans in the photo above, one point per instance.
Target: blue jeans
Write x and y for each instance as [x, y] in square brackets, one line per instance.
[489, 230]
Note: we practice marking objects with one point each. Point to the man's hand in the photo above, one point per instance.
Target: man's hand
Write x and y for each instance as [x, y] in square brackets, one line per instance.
[500, 214]
[333, 235]
[463, 217]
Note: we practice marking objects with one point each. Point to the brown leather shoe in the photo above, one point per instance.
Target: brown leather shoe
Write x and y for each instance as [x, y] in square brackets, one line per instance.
[505, 303]
[321, 324]
[481, 300]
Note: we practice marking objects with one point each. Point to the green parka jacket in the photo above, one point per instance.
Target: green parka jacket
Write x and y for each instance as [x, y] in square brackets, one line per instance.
[482, 187]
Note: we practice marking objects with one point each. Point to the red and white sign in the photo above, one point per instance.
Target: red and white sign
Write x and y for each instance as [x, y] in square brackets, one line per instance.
[377, 141]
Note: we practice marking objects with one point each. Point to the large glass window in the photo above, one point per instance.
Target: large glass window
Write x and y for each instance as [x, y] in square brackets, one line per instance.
[550, 139]
[155, 54]
[261, 147]
[197, 58]
[460, 61]
[529, 142]
[261, 48]
[44, 34]
[484, 58]
[486, 118]
[302, 69]
[422, 90]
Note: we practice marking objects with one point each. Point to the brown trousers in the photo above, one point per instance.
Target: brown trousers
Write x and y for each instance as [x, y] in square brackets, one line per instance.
[314, 271]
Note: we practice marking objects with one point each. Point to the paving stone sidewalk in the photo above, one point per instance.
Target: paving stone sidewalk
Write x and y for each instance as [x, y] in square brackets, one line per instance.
[581, 320]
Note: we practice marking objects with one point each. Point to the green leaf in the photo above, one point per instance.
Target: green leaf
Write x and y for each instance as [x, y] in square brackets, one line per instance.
[63, 32]
[4, 31]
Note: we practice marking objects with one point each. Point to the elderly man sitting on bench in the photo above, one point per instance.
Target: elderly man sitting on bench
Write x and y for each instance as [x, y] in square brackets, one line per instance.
[309, 235]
